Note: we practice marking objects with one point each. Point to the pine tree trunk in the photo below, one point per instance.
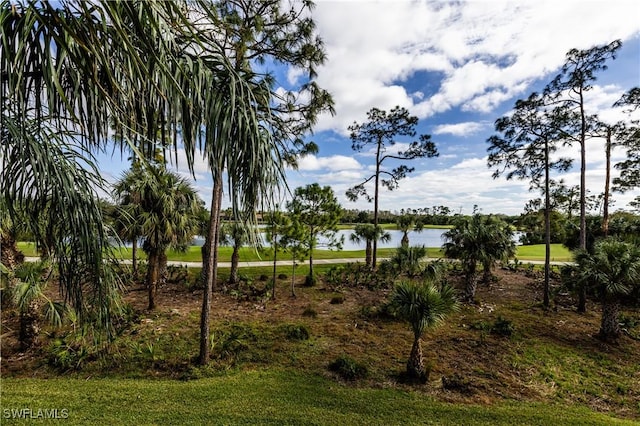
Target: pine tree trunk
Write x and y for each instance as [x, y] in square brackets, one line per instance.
[547, 226]
[415, 364]
[609, 326]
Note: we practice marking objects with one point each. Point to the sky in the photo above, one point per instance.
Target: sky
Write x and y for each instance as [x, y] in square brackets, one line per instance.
[457, 66]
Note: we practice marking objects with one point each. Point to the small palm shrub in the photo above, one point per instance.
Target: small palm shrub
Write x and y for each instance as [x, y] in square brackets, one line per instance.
[347, 368]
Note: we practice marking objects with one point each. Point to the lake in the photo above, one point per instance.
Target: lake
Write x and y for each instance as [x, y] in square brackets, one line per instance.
[427, 238]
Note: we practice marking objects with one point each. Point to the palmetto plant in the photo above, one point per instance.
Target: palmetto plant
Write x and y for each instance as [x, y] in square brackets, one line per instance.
[611, 272]
[167, 209]
[368, 232]
[406, 223]
[477, 239]
[26, 284]
[423, 306]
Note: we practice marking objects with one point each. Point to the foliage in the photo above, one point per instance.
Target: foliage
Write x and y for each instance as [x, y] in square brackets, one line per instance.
[630, 139]
[296, 332]
[348, 368]
[380, 132]
[317, 211]
[478, 239]
[166, 214]
[423, 306]
[407, 260]
[369, 233]
[611, 272]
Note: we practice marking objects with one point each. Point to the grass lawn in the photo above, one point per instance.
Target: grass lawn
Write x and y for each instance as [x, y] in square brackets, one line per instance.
[559, 253]
[273, 396]
[534, 252]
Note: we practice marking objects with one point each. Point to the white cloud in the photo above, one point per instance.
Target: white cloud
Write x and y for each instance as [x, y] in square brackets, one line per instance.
[333, 163]
[487, 51]
[458, 129]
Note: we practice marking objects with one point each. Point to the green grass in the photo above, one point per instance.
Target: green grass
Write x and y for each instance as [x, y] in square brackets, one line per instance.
[273, 396]
[247, 254]
[559, 253]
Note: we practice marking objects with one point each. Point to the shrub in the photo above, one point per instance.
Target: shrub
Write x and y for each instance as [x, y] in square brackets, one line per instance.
[337, 299]
[264, 277]
[347, 368]
[503, 327]
[457, 383]
[296, 332]
[309, 312]
[282, 276]
[310, 281]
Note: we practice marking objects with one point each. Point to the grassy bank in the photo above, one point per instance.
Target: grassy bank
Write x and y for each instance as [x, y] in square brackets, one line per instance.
[272, 396]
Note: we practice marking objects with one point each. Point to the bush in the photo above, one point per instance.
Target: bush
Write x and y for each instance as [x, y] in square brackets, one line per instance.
[296, 332]
[309, 312]
[264, 277]
[503, 327]
[282, 276]
[337, 299]
[347, 368]
[457, 383]
[310, 281]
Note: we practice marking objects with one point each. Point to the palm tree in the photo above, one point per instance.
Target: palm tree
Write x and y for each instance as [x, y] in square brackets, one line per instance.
[368, 233]
[499, 244]
[74, 67]
[612, 272]
[275, 234]
[234, 234]
[424, 307]
[406, 223]
[27, 284]
[474, 240]
[168, 209]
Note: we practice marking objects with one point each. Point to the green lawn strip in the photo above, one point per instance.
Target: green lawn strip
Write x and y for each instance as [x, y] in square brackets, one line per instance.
[559, 253]
[247, 254]
[272, 396]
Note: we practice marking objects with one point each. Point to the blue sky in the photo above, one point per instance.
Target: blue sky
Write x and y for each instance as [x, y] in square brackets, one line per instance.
[458, 67]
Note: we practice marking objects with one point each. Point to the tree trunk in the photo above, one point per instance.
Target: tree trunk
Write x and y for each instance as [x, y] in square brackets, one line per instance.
[486, 272]
[547, 226]
[405, 239]
[471, 283]
[275, 263]
[152, 278]
[374, 256]
[235, 259]
[29, 324]
[293, 279]
[204, 251]
[368, 252]
[605, 202]
[609, 326]
[311, 279]
[415, 364]
[582, 295]
[10, 256]
[163, 273]
[212, 269]
[134, 255]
